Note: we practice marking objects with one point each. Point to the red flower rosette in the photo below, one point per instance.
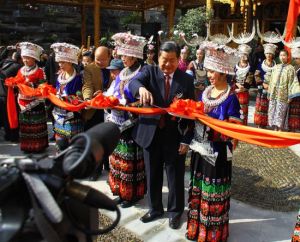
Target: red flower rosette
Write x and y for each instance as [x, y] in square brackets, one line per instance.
[14, 81]
[75, 101]
[186, 108]
[103, 102]
[45, 90]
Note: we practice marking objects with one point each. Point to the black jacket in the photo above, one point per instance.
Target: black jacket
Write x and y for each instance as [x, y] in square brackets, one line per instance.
[152, 78]
[9, 69]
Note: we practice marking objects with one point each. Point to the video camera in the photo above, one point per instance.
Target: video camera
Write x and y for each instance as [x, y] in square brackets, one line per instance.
[41, 201]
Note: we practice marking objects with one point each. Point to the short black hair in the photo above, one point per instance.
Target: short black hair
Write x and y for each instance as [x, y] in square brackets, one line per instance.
[87, 53]
[170, 46]
[285, 51]
[18, 56]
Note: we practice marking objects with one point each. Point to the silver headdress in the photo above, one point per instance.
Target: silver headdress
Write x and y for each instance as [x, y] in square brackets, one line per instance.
[30, 49]
[220, 58]
[243, 38]
[220, 39]
[65, 52]
[270, 36]
[195, 40]
[162, 36]
[129, 45]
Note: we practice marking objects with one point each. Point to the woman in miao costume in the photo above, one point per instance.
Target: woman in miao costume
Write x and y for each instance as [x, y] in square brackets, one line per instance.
[33, 117]
[68, 88]
[262, 77]
[296, 234]
[279, 92]
[209, 192]
[127, 173]
[243, 79]
[294, 119]
[183, 60]
[199, 74]
[150, 55]
[294, 108]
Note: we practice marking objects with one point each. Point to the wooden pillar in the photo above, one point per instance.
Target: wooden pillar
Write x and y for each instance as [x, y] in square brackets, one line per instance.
[83, 25]
[254, 7]
[250, 16]
[232, 6]
[209, 8]
[171, 15]
[209, 5]
[247, 15]
[96, 22]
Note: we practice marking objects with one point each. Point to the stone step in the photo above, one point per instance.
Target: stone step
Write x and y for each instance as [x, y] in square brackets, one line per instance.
[6, 11]
[7, 19]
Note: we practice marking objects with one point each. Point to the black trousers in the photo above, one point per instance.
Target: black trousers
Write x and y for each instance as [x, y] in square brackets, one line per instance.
[10, 134]
[163, 153]
[96, 119]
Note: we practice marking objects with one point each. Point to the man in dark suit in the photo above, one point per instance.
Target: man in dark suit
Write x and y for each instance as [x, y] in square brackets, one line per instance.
[164, 138]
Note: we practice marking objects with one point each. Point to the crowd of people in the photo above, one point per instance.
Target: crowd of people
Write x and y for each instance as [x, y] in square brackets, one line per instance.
[220, 77]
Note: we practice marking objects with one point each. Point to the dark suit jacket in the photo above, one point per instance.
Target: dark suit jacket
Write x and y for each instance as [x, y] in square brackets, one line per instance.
[152, 78]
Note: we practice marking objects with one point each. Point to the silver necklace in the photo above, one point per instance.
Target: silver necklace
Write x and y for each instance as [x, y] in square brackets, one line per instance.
[27, 71]
[210, 103]
[267, 68]
[123, 74]
[241, 72]
[62, 80]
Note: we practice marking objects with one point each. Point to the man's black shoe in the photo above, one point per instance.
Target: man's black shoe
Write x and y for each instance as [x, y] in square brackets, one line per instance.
[174, 222]
[126, 204]
[151, 216]
[6, 137]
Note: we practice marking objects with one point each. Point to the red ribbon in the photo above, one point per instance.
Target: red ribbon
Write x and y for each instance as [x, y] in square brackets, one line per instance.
[11, 101]
[181, 108]
[101, 101]
[12, 108]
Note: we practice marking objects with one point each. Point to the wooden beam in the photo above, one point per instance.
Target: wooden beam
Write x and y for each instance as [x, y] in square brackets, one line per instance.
[115, 5]
[96, 22]
[153, 4]
[60, 2]
[83, 25]
[127, 5]
[171, 15]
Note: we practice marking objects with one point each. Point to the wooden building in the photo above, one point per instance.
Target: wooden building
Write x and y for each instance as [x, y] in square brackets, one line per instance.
[270, 13]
